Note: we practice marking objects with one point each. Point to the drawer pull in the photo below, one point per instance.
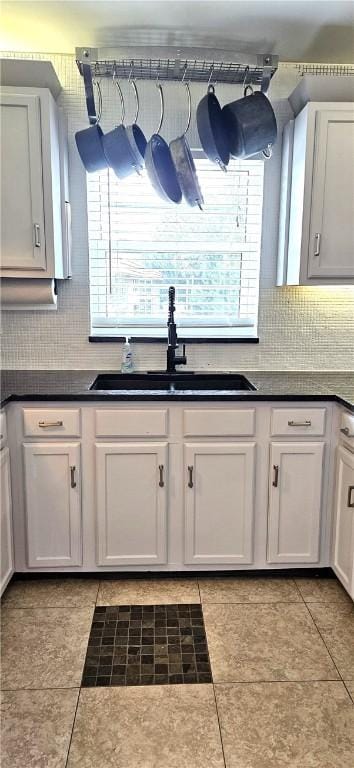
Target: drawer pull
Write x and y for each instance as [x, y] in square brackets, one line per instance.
[72, 477]
[276, 475]
[46, 424]
[350, 502]
[161, 481]
[345, 431]
[306, 423]
[37, 235]
[190, 481]
[317, 244]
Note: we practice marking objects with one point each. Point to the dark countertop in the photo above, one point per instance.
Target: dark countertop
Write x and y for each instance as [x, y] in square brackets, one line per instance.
[34, 385]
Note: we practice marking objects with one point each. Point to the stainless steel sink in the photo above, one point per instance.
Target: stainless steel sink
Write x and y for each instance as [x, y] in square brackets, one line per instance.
[172, 382]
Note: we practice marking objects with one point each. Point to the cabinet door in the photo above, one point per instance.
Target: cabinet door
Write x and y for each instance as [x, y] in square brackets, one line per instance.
[22, 207]
[6, 566]
[219, 502]
[295, 502]
[131, 503]
[343, 552]
[53, 504]
[331, 243]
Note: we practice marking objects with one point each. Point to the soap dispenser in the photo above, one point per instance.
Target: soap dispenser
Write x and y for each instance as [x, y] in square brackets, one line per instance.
[127, 358]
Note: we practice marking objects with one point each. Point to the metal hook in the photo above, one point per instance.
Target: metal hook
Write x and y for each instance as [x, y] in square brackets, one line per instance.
[247, 69]
[116, 83]
[210, 87]
[162, 103]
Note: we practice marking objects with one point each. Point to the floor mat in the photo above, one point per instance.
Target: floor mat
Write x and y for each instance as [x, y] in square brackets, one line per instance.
[147, 645]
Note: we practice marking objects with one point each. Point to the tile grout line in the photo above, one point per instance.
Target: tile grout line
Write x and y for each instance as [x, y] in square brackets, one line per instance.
[324, 643]
[347, 689]
[80, 687]
[72, 729]
[219, 724]
[322, 638]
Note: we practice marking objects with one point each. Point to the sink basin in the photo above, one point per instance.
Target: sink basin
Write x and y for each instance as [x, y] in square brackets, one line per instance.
[172, 382]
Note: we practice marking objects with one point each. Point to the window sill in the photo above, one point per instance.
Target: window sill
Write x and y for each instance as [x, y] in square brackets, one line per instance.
[112, 339]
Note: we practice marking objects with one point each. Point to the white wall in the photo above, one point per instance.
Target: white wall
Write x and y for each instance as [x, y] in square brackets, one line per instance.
[299, 328]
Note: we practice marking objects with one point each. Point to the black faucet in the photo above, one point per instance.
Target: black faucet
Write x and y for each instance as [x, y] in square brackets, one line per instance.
[172, 358]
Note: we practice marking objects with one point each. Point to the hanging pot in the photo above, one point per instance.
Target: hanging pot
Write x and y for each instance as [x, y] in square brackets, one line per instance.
[159, 164]
[184, 163]
[211, 128]
[122, 157]
[251, 125]
[89, 141]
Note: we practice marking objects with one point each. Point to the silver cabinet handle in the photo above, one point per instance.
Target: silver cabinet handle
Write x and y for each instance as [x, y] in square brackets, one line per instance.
[350, 503]
[276, 475]
[72, 477]
[37, 235]
[346, 432]
[190, 481]
[161, 481]
[46, 424]
[306, 423]
[317, 244]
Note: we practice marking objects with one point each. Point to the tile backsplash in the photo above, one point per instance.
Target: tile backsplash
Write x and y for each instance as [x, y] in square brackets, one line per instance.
[310, 329]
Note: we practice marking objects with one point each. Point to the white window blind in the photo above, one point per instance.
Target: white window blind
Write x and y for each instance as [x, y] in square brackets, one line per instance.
[139, 246]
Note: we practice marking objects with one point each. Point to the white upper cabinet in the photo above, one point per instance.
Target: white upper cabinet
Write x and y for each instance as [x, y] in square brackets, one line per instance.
[22, 220]
[34, 206]
[316, 237]
[219, 481]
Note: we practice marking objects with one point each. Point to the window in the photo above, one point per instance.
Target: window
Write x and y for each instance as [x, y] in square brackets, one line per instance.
[139, 246]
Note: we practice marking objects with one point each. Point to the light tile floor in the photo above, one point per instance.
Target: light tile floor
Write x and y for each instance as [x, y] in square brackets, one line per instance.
[282, 656]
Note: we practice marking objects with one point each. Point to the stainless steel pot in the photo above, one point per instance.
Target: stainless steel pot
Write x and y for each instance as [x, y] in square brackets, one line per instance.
[251, 125]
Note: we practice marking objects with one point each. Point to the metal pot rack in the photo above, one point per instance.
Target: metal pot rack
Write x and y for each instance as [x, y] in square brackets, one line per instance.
[175, 64]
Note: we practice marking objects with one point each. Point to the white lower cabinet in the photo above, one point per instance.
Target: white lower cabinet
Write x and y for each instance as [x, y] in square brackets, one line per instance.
[131, 503]
[295, 491]
[7, 565]
[219, 480]
[343, 550]
[53, 504]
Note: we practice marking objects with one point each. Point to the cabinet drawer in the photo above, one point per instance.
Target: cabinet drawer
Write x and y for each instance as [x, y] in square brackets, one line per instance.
[48, 422]
[298, 421]
[3, 431]
[219, 423]
[131, 423]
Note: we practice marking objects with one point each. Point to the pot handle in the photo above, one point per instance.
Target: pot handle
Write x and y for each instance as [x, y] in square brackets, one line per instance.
[189, 108]
[267, 153]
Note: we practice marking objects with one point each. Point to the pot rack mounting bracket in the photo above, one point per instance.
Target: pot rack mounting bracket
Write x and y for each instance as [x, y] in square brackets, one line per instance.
[176, 64]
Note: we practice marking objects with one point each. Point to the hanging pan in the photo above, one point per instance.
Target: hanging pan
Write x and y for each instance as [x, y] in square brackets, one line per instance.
[211, 128]
[184, 163]
[159, 164]
[89, 140]
[123, 158]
